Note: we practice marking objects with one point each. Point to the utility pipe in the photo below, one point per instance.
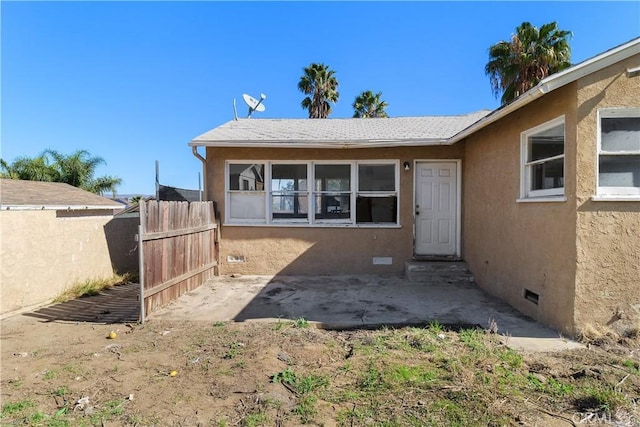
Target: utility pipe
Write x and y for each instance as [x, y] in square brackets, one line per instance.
[194, 150]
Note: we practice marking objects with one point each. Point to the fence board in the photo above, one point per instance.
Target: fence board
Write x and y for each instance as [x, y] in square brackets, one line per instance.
[179, 242]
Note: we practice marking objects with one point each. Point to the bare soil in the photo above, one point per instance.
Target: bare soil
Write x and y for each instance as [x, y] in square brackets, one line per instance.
[288, 374]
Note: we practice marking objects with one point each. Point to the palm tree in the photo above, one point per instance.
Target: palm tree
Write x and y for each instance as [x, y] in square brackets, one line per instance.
[516, 66]
[319, 82]
[29, 169]
[77, 169]
[369, 105]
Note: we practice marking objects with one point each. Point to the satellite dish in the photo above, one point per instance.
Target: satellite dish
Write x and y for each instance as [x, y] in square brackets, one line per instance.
[254, 104]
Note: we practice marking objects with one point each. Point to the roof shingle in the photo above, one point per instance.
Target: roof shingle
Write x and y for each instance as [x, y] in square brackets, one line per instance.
[14, 192]
[394, 129]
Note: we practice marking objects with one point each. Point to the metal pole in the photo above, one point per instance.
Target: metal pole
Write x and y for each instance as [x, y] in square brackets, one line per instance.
[157, 180]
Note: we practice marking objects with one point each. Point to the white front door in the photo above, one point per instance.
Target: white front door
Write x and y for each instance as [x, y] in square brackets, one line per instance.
[436, 210]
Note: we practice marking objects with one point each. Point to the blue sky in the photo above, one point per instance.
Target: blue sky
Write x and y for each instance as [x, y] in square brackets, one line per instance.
[134, 82]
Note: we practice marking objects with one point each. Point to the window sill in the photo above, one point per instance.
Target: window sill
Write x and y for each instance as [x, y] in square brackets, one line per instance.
[545, 199]
[613, 198]
[298, 225]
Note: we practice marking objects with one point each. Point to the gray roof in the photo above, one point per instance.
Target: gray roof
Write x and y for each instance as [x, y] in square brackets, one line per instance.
[53, 195]
[337, 132]
[176, 194]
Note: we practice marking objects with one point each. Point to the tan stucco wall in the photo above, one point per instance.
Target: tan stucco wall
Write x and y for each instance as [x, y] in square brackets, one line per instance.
[43, 252]
[319, 250]
[608, 233]
[513, 246]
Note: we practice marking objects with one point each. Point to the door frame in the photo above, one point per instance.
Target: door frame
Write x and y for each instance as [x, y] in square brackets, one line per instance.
[458, 163]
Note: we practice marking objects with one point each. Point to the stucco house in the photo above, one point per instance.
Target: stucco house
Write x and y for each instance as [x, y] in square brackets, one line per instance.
[540, 197]
[52, 235]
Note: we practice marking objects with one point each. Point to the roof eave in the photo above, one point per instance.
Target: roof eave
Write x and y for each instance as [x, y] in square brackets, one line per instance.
[322, 144]
[42, 207]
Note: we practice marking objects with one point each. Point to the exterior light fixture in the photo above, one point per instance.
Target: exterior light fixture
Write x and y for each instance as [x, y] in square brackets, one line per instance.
[407, 166]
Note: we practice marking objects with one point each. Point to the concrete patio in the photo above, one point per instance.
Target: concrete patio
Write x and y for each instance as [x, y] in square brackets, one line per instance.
[360, 301]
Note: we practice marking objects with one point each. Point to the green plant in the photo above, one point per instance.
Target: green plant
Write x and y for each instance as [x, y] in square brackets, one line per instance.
[114, 407]
[58, 422]
[402, 375]
[305, 408]
[599, 398]
[12, 408]
[634, 367]
[372, 380]
[511, 357]
[61, 391]
[472, 338]
[36, 418]
[301, 322]
[220, 324]
[49, 375]
[435, 327]
[309, 383]
[233, 351]
[254, 420]
[551, 386]
[288, 376]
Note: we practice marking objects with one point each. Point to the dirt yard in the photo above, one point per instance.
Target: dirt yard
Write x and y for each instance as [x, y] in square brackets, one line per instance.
[289, 373]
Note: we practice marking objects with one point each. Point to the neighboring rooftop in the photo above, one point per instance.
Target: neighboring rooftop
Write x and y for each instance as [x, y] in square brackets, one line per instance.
[338, 132]
[175, 194]
[16, 193]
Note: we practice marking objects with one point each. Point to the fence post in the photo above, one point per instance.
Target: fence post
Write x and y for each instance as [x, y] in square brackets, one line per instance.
[143, 215]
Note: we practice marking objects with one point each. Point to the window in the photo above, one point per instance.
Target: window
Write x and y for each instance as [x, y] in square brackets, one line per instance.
[542, 173]
[377, 199]
[246, 192]
[619, 152]
[313, 193]
[289, 196]
[332, 192]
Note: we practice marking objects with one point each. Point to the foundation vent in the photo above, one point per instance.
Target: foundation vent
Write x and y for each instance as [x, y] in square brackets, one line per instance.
[531, 296]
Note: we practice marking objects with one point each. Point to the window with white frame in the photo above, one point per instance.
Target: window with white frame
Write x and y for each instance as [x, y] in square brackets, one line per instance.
[377, 199]
[246, 192]
[619, 152]
[289, 192]
[313, 193]
[542, 172]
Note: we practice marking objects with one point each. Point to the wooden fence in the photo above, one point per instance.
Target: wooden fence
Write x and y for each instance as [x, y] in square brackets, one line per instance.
[178, 250]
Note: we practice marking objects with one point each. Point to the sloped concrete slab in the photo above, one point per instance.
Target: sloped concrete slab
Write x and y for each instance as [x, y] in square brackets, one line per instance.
[360, 301]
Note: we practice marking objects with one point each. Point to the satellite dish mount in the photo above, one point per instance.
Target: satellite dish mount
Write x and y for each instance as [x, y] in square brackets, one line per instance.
[254, 104]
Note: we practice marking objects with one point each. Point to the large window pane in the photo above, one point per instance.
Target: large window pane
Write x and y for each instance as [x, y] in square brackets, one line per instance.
[289, 206]
[376, 178]
[289, 178]
[332, 206]
[619, 171]
[289, 199]
[247, 206]
[548, 143]
[547, 175]
[246, 177]
[376, 209]
[333, 178]
[620, 134]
